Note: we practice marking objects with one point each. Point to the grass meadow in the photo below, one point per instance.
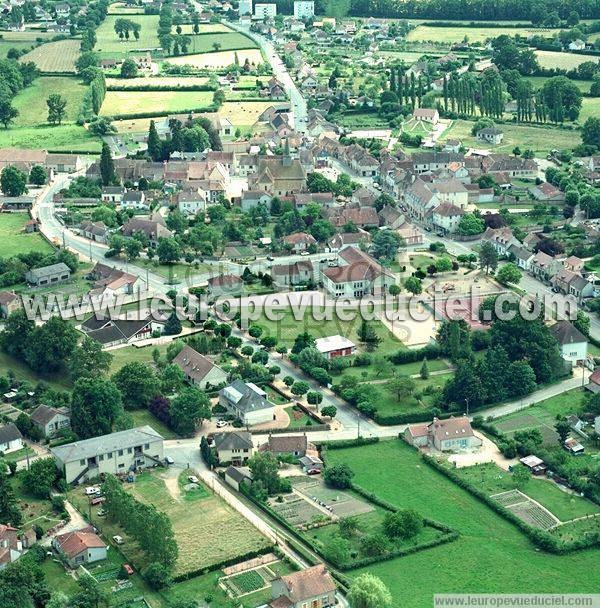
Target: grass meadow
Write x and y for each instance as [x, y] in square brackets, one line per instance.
[566, 61]
[14, 240]
[426, 33]
[221, 59]
[110, 45]
[138, 102]
[490, 556]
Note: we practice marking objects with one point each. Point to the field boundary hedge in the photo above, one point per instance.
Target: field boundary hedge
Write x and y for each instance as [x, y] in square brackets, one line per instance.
[160, 113]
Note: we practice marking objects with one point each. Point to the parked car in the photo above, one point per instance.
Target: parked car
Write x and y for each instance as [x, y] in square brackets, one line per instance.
[304, 253]
[169, 460]
[118, 539]
[101, 512]
[270, 258]
[221, 423]
[91, 490]
[313, 472]
[128, 569]
[193, 479]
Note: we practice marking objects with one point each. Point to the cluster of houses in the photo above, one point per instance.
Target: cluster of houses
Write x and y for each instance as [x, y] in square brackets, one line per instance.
[566, 274]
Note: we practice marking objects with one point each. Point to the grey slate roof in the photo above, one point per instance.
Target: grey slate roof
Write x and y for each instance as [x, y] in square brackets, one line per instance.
[47, 271]
[248, 399]
[566, 333]
[235, 440]
[9, 432]
[105, 443]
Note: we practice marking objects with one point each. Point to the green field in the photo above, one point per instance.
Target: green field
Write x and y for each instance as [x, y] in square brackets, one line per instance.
[538, 81]
[14, 240]
[139, 102]
[144, 417]
[225, 41]
[590, 106]
[490, 556]
[566, 61]
[110, 45]
[61, 138]
[21, 40]
[425, 33]
[31, 102]
[540, 139]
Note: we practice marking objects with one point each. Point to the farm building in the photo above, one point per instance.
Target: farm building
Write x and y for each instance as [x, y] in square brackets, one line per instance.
[335, 346]
[48, 275]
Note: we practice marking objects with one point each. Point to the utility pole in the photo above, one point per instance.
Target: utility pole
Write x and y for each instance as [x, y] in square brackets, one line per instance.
[467, 402]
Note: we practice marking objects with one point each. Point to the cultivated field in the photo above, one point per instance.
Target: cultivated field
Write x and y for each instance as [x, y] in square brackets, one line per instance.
[138, 102]
[425, 33]
[172, 82]
[20, 40]
[55, 57]
[490, 556]
[218, 60]
[110, 45]
[566, 61]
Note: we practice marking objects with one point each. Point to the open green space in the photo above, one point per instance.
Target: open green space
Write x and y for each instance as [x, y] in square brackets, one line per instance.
[24, 374]
[62, 138]
[426, 33]
[490, 556]
[139, 102]
[110, 45]
[288, 328]
[200, 492]
[14, 239]
[220, 41]
[538, 81]
[565, 61]
[564, 505]
[31, 101]
[369, 373]
[130, 354]
[540, 139]
[144, 417]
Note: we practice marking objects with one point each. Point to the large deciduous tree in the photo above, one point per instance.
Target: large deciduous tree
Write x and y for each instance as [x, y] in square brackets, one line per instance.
[96, 404]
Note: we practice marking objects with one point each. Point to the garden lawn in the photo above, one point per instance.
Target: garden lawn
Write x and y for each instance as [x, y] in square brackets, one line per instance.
[288, 328]
[490, 556]
[406, 369]
[131, 353]
[298, 418]
[140, 102]
[110, 45]
[540, 139]
[14, 240]
[55, 57]
[144, 417]
[31, 101]
[493, 480]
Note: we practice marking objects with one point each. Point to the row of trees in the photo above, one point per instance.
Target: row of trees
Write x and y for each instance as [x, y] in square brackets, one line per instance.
[14, 77]
[151, 528]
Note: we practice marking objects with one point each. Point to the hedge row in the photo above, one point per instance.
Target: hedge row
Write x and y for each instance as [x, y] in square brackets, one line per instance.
[223, 564]
[348, 443]
[410, 417]
[296, 429]
[161, 113]
[156, 87]
[542, 539]
[431, 351]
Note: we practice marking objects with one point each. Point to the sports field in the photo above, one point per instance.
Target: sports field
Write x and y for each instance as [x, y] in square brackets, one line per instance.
[565, 61]
[221, 59]
[490, 556]
[109, 44]
[138, 102]
[55, 57]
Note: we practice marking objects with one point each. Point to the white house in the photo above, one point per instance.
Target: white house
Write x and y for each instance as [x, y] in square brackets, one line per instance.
[11, 439]
[444, 435]
[573, 344]
[80, 547]
[247, 402]
[191, 202]
[50, 420]
[134, 199]
[447, 217]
